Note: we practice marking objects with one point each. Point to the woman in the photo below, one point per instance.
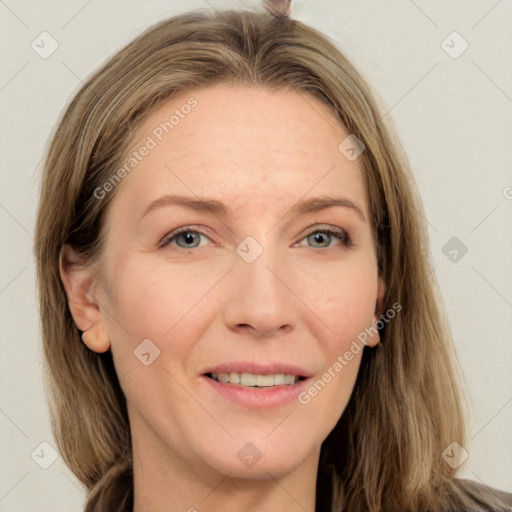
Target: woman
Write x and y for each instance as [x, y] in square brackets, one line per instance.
[236, 300]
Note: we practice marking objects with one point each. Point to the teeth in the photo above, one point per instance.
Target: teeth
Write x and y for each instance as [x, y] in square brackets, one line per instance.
[251, 380]
[289, 379]
[265, 380]
[248, 379]
[223, 377]
[279, 379]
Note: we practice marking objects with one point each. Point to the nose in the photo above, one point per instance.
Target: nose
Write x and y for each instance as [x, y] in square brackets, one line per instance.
[260, 298]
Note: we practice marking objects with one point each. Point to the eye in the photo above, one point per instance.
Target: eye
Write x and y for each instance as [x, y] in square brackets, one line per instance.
[185, 238]
[324, 236]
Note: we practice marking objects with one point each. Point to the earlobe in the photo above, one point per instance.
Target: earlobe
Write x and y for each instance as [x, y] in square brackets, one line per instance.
[96, 338]
[374, 338]
[78, 281]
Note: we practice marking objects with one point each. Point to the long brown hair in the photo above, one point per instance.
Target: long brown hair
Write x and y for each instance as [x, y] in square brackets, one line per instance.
[406, 408]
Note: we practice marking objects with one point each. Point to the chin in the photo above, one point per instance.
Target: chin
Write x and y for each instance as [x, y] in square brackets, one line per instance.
[260, 457]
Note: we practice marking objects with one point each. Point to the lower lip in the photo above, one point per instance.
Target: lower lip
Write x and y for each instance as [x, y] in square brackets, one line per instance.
[257, 398]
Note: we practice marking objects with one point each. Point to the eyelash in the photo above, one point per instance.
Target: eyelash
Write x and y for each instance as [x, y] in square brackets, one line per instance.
[339, 233]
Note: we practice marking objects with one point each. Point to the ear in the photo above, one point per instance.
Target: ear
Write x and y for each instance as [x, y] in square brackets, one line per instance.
[374, 339]
[78, 280]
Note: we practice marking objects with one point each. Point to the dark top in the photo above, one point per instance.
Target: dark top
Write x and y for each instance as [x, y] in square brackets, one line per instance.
[504, 496]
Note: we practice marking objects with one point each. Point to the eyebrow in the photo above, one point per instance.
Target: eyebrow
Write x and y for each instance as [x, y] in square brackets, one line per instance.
[218, 208]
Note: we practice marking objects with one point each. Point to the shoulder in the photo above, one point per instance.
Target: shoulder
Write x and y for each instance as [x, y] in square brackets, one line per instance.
[482, 494]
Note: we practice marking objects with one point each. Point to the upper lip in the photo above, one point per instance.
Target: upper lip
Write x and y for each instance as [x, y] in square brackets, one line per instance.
[253, 367]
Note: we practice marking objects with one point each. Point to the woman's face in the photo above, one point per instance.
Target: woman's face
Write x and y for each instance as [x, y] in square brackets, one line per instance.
[249, 287]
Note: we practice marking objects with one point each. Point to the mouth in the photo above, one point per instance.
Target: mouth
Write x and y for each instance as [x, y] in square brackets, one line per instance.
[256, 385]
[253, 380]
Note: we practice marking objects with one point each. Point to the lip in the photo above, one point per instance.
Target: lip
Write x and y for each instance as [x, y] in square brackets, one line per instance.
[259, 368]
[257, 398]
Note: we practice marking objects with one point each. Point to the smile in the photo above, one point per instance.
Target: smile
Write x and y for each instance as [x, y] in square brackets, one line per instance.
[252, 380]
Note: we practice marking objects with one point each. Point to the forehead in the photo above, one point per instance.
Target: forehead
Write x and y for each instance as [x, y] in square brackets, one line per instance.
[243, 145]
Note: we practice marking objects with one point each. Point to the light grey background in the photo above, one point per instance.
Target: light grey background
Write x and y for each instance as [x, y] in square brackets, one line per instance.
[454, 119]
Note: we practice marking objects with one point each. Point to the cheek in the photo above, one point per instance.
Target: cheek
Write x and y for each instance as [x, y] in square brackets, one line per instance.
[154, 312]
[150, 300]
[167, 307]
[347, 308]
[352, 313]
[344, 299]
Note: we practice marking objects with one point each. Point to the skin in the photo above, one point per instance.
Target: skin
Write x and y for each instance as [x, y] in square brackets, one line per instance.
[303, 300]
